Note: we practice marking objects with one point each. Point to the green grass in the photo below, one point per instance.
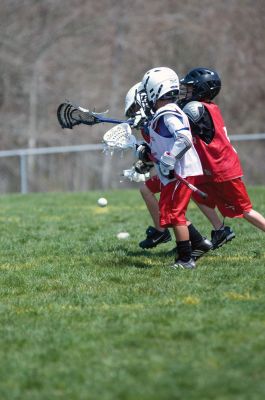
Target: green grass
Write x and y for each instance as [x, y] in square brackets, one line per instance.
[87, 316]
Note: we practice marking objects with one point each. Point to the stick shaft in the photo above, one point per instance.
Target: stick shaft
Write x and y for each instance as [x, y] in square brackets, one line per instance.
[192, 187]
[113, 121]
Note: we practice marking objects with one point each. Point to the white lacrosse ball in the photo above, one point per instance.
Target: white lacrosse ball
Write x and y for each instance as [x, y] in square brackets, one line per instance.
[102, 202]
[123, 235]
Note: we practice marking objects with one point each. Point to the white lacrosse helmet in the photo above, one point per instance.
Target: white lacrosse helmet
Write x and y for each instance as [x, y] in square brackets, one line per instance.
[132, 100]
[161, 82]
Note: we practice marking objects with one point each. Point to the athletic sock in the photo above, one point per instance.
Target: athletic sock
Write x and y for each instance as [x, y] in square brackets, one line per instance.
[195, 236]
[222, 227]
[184, 250]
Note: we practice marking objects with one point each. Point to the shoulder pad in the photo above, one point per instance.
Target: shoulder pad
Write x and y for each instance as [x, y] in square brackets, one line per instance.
[194, 110]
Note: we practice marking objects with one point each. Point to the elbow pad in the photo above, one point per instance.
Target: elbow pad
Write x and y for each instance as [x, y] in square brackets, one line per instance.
[181, 146]
[194, 110]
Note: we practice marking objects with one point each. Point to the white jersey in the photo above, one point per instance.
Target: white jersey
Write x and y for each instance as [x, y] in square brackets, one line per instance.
[162, 138]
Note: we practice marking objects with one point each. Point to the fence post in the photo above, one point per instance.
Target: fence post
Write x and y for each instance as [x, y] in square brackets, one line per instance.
[23, 174]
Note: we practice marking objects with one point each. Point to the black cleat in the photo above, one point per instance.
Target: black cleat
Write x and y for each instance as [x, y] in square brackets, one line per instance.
[197, 251]
[154, 238]
[184, 264]
[202, 248]
[222, 236]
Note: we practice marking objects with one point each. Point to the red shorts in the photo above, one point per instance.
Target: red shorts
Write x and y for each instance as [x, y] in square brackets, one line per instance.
[154, 184]
[173, 203]
[230, 197]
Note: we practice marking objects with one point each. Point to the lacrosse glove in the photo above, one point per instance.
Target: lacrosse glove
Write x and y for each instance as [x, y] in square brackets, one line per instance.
[143, 152]
[143, 167]
[166, 165]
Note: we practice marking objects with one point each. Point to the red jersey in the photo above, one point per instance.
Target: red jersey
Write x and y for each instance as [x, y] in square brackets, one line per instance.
[219, 159]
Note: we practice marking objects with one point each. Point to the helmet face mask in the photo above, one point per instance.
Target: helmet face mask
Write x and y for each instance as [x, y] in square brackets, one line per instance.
[132, 110]
[205, 84]
[160, 83]
[136, 103]
[132, 101]
[144, 104]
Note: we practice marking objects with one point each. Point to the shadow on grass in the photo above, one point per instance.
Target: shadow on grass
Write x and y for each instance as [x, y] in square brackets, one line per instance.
[151, 256]
[150, 253]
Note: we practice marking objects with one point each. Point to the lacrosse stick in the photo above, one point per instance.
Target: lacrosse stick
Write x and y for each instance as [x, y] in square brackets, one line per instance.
[70, 115]
[120, 137]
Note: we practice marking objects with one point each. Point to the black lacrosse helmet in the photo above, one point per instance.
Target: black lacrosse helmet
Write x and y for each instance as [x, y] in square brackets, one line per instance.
[206, 83]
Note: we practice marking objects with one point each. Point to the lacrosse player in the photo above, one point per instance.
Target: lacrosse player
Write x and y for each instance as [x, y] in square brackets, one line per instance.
[173, 153]
[133, 105]
[134, 101]
[222, 179]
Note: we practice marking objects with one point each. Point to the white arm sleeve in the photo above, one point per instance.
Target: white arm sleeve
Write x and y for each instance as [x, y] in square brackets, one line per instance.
[181, 135]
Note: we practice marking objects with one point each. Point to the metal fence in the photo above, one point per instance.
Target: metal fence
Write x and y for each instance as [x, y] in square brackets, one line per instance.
[24, 153]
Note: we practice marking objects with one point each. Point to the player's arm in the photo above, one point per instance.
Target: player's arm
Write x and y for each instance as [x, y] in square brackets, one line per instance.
[182, 143]
[181, 135]
[200, 121]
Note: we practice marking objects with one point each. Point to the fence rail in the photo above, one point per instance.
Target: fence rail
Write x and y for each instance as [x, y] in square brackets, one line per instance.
[24, 153]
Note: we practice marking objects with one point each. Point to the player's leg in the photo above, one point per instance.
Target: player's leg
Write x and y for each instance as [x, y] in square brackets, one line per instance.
[221, 233]
[233, 201]
[211, 215]
[152, 205]
[155, 235]
[255, 218]
[190, 247]
[173, 203]
[184, 252]
[200, 245]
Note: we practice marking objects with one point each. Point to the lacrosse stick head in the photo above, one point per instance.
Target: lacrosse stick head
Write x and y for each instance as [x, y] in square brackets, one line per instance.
[70, 115]
[119, 137]
[64, 115]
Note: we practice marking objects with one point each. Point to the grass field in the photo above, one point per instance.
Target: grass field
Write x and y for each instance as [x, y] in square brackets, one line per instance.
[87, 316]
